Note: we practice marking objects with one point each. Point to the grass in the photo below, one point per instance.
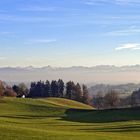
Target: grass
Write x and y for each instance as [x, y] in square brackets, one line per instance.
[61, 119]
[67, 103]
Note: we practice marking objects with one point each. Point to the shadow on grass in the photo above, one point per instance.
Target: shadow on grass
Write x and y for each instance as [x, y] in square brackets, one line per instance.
[102, 116]
[120, 128]
[2, 101]
[29, 116]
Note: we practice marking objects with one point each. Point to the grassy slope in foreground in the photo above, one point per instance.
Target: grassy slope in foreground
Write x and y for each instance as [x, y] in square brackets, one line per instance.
[66, 103]
[51, 119]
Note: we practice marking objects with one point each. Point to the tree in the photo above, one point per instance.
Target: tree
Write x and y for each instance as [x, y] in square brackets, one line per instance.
[135, 98]
[99, 100]
[32, 90]
[21, 89]
[54, 89]
[47, 89]
[69, 89]
[9, 92]
[111, 99]
[35, 90]
[77, 93]
[17, 90]
[74, 92]
[85, 98]
[2, 89]
[61, 87]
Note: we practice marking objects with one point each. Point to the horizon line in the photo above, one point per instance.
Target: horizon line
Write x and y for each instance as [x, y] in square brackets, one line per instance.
[31, 66]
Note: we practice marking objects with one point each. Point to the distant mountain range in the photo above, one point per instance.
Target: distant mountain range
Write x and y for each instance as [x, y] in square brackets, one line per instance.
[106, 68]
[89, 75]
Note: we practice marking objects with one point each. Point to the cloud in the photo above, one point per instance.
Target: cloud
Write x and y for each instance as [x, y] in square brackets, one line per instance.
[40, 41]
[137, 48]
[95, 2]
[14, 18]
[42, 8]
[117, 2]
[2, 58]
[130, 46]
[127, 2]
[124, 32]
[6, 33]
[39, 58]
[38, 9]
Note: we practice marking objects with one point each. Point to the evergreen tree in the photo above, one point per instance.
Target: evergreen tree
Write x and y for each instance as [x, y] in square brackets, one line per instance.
[54, 88]
[85, 95]
[61, 87]
[69, 89]
[47, 89]
[77, 93]
[32, 90]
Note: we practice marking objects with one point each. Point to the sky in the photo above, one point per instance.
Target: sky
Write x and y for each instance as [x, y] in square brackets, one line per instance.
[64, 33]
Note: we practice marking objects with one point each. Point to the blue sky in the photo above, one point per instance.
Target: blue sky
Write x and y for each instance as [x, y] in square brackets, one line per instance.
[69, 32]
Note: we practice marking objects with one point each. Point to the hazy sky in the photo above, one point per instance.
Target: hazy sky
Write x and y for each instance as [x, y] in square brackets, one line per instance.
[69, 32]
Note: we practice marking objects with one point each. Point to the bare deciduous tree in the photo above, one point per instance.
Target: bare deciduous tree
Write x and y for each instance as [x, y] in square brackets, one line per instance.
[99, 100]
[111, 99]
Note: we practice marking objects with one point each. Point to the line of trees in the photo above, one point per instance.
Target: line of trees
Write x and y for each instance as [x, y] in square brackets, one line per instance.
[70, 90]
[109, 100]
[113, 100]
[46, 89]
[54, 88]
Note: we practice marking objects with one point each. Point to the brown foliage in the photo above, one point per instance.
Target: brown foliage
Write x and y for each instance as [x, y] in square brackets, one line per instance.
[9, 92]
[2, 89]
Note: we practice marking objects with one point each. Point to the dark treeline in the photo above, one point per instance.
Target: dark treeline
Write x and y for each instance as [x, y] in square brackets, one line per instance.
[46, 89]
[70, 90]
[54, 88]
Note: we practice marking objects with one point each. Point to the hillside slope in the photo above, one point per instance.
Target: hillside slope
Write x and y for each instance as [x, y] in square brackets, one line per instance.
[55, 119]
[66, 103]
[38, 107]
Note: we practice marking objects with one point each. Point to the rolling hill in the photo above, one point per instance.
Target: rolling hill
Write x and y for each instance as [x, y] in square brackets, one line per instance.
[60, 119]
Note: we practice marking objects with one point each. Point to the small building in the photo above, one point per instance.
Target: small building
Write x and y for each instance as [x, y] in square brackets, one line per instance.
[23, 96]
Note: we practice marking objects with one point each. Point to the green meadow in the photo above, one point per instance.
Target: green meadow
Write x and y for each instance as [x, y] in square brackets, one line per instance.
[62, 119]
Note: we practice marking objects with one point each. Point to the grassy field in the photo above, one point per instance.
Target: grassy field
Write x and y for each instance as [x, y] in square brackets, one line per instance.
[61, 119]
